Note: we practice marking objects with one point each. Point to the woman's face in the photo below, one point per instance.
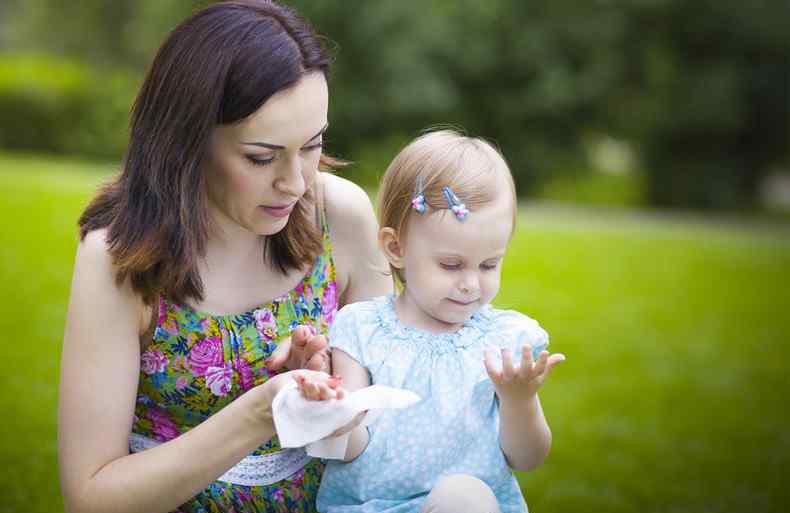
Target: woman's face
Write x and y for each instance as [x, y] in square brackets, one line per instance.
[260, 167]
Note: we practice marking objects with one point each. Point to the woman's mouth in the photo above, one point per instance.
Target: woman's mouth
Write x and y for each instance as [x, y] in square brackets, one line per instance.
[279, 210]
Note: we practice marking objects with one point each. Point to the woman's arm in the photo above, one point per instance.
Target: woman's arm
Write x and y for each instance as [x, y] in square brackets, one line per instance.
[349, 376]
[361, 267]
[99, 378]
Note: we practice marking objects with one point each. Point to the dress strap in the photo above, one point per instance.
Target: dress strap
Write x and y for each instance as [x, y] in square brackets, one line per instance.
[320, 212]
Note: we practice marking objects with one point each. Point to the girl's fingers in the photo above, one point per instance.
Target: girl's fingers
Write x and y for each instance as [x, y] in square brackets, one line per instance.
[525, 370]
[508, 372]
[554, 360]
[540, 365]
[493, 372]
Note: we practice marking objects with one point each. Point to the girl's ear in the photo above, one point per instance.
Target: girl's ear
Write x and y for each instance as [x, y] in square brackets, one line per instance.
[391, 247]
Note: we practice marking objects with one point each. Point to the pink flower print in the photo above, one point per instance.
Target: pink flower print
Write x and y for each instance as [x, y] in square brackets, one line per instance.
[218, 380]
[206, 353]
[243, 496]
[245, 373]
[329, 301]
[265, 322]
[297, 478]
[181, 383]
[153, 361]
[299, 289]
[277, 494]
[164, 429]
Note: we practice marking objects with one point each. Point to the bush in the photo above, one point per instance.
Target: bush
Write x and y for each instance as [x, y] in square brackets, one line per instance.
[60, 106]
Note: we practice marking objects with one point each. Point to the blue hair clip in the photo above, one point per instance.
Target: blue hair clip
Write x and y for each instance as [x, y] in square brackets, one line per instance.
[458, 208]
[418, 200]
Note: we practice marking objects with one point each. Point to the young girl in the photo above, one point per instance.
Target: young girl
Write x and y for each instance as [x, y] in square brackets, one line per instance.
[448, 210]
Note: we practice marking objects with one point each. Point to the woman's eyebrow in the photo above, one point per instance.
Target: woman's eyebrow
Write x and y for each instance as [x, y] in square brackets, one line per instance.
[278, 147]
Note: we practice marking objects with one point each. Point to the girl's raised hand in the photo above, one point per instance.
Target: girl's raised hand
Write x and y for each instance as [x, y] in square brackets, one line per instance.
[520, 382]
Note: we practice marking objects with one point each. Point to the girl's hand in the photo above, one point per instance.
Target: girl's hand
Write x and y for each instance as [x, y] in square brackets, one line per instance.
[302, 350]
[317, 386]
[520, 383]
[321, 387]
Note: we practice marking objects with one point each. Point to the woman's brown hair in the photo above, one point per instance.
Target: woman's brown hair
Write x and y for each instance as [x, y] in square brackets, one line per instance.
[217, 67]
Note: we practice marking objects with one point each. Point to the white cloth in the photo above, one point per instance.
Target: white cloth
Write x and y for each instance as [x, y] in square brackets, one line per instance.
[304, 423]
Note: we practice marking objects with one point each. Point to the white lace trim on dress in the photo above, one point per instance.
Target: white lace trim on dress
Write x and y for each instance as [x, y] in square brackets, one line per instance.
[259, 470]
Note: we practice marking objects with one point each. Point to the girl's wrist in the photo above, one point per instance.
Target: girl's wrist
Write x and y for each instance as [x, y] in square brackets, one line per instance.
[518, 401]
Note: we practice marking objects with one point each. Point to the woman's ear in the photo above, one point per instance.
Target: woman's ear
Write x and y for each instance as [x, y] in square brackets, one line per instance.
[391, 247]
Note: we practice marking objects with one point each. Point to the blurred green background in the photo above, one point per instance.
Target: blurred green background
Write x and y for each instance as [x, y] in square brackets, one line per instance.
[649, 140]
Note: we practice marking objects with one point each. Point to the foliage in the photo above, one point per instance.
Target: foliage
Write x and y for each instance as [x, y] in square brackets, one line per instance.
[57, 105]
[699, 89]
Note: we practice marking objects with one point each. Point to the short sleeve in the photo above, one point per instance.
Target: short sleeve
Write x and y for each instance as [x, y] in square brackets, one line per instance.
[519, 330]
[344, 333]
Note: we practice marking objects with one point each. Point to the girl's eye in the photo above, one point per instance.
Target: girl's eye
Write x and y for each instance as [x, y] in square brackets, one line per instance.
[489, 267]
[258, 161]
[450, 266]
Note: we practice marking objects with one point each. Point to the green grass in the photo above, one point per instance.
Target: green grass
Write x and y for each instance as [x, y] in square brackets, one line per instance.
[673, 397]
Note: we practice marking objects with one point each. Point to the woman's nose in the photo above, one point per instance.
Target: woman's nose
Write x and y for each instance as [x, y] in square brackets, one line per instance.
[291, 181]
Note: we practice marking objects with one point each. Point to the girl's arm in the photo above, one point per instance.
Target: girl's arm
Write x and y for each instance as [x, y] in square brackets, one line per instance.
[353, 376]
[349, 376]
[524, 433]
[99, 378]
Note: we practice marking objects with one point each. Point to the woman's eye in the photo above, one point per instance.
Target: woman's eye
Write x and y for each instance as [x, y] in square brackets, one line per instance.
[259, 161]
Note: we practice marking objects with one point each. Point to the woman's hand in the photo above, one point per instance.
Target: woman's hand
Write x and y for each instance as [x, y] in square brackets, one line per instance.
[519, 384]
[302, 350]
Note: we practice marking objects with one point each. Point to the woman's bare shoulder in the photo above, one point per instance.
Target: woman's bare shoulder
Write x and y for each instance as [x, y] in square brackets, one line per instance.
[346, 202]
[354, 230]
[95, 280]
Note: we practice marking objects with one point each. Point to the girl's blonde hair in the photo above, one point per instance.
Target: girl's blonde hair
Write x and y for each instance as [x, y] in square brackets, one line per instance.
[439, 158]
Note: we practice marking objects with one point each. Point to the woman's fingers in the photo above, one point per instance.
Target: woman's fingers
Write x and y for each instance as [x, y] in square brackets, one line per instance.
[280, 355]
[293, 352]
[316, 353]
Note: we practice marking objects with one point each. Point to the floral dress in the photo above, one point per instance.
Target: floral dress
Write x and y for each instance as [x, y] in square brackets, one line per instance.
[197, 363]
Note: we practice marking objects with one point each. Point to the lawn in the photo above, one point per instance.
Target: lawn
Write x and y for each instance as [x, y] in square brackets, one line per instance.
[673, 398]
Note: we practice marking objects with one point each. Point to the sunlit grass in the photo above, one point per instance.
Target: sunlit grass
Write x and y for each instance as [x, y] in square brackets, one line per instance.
[672, 398]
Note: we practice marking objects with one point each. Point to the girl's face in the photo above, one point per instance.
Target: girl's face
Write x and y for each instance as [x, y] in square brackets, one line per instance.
[452, 268]
[260, 167]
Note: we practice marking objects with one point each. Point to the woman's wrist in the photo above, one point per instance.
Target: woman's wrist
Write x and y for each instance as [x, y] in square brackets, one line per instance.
[259, 408]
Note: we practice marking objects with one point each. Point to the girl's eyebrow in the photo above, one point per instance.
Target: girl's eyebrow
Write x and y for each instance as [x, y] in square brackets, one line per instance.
[278, 147]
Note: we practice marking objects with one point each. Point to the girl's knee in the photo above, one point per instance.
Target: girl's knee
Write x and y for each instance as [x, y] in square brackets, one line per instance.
[461, 493]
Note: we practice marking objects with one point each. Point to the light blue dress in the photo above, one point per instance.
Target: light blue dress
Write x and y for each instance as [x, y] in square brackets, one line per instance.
[454, 429]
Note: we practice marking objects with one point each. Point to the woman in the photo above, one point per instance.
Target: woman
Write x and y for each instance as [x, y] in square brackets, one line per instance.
[197, 266]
